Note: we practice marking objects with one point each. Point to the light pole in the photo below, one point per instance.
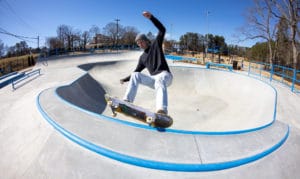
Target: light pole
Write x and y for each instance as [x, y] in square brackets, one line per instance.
[171, 38]
[206, 36]
[38, 42]
[117, 20]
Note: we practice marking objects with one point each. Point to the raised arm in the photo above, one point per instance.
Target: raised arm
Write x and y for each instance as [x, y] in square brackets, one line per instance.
[158, 25]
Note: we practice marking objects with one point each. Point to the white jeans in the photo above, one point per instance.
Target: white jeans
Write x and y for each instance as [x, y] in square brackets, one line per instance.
[159, 82]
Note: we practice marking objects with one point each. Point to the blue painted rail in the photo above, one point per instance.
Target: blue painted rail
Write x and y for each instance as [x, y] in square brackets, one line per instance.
[209, 64]
[285, 75]
[9, 78]
[8, 75]
[25, 76]
[180, 58]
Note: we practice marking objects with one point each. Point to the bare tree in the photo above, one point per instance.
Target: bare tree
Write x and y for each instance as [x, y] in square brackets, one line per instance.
[284, 47]
[2, 49]
[54, 42]
[11, 51]
[61, 34]
[114, 31]
[290, 11]
[21, 48]
[129, 35]
[261, 25]
[94, 30]
[85, 38]
[76, 39]
[65, 34]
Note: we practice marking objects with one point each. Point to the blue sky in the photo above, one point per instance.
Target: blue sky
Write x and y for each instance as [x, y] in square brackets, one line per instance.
[31, 18]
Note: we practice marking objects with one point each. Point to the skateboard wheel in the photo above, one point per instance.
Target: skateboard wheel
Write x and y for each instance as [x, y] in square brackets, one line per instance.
[163, 121]
[114, 114]
[109, 103]
[149, 120]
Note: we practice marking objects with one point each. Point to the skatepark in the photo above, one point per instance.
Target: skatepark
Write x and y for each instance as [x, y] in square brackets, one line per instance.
[226, 124]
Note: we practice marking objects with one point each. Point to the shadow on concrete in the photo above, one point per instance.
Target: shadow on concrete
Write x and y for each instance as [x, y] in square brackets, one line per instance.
[89, 66]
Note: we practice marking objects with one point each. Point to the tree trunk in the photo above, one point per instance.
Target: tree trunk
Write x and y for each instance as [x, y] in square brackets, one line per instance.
[295, 51]
[270, 52]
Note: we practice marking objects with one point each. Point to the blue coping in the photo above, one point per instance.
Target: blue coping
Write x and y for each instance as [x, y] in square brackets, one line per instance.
[132, 124]
[183, 167]
[195, 167]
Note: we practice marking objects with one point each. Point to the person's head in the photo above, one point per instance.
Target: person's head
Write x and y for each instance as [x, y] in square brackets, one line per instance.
[142, 41]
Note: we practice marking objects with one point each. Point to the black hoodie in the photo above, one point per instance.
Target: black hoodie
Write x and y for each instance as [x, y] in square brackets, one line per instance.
[153, 57]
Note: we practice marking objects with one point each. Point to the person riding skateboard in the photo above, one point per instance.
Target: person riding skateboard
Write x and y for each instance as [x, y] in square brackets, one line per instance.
[153, 59]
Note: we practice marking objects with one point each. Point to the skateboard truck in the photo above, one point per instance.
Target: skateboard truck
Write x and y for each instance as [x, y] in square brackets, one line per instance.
[110, 104]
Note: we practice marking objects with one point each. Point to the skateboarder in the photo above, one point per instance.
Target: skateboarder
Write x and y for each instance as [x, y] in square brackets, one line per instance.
[154, 60]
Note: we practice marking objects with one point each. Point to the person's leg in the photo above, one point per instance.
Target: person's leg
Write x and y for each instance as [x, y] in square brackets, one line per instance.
[162, 81]
[136, 79]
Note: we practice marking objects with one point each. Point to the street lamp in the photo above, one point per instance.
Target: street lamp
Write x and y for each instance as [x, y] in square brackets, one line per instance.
[117, 20]
[206, 47]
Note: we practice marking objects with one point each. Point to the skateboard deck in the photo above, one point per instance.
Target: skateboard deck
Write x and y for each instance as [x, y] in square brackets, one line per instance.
[144, 115]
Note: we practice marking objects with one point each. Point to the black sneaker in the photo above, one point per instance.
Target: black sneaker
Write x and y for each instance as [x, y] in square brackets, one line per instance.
[127, 101]
[161, 111]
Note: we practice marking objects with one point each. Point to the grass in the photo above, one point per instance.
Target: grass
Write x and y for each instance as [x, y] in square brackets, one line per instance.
[12, 64]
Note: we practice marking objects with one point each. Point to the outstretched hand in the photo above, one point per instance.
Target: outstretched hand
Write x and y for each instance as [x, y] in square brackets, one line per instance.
[147, 14]
[122, 81]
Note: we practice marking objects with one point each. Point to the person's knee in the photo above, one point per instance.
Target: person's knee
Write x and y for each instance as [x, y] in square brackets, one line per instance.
[164, 80]
[160, 84]
[135, 76]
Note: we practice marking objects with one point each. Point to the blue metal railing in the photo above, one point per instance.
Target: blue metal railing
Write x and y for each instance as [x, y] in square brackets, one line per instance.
[25, 76]
[296, 80]
[8, 75]
[179, 58]
[285, 75]
[9, 78]
[209, 64]
[282, 74]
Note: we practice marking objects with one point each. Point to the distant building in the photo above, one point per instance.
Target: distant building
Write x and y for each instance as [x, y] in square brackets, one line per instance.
[100, 41]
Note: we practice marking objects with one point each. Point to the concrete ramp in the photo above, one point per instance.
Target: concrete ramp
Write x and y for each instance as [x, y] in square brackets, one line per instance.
[71, 134]
[157, 149]
[219, 120]
[199, 99]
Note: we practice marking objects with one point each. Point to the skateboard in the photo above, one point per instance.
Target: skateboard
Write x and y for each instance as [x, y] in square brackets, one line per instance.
[144, 115]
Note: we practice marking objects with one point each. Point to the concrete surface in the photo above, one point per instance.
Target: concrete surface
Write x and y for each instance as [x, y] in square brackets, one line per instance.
[32, 148]
[199, 98]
